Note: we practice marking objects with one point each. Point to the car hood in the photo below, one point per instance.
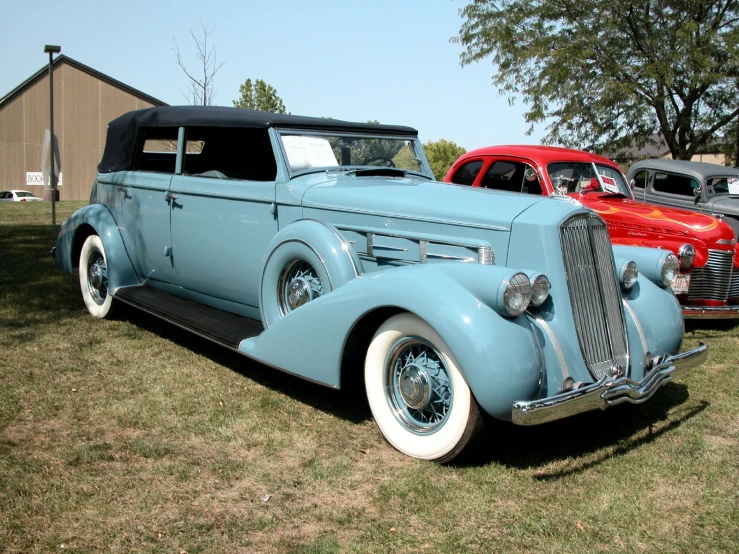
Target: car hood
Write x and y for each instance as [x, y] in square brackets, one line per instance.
[417, 199]
[724, 204]
[661, 219]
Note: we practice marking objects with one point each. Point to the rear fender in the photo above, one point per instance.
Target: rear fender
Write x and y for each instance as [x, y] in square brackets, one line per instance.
[499, 357]
[95, 219]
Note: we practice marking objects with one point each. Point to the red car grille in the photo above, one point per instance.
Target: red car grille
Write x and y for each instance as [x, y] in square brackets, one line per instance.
[713, 281]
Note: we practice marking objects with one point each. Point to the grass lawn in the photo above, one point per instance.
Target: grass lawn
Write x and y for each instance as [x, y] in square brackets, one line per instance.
[134, 436]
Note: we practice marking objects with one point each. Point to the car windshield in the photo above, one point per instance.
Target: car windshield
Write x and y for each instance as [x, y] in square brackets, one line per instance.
[319, 151]
[723, 185]
[569, 177]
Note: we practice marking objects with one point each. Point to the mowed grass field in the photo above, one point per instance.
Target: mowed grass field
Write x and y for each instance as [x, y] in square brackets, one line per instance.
[134, 436]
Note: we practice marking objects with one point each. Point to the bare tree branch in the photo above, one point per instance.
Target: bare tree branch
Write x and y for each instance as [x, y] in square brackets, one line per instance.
[201, 90]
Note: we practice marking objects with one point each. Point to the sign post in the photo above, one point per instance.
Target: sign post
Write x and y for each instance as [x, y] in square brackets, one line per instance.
[51, 50]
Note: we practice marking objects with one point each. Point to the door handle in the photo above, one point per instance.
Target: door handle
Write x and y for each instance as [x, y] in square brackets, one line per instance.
[169, 196]
[124, 190]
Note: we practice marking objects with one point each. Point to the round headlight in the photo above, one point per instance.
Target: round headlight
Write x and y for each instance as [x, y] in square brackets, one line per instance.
[540, 290]
[686, 255]
[670, 268]
[517, 295]
[629, 274]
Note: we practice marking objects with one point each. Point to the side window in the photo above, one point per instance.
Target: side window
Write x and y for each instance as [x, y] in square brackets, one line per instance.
[157, 150]
[640, 179]
[229, 153]
[719, 185]
[508, 176]
[675, 184]
[467, 174]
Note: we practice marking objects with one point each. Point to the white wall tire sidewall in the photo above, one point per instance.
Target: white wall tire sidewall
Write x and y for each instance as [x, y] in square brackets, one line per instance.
[100, 311]
[434, 445]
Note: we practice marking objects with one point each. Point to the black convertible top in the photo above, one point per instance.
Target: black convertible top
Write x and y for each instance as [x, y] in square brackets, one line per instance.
[123, 132]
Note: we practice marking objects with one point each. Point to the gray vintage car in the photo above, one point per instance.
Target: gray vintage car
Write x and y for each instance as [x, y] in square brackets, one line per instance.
[325, 248]
[698, 186]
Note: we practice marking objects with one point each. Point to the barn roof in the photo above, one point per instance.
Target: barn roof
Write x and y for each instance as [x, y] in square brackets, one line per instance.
[62, 59]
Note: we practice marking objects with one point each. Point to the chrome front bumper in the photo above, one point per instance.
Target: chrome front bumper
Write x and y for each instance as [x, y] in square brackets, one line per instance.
[710, 312]
[608, 391]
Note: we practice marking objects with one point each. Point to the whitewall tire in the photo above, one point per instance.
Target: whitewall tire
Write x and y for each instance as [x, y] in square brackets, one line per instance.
[419, 399]
[93, 272]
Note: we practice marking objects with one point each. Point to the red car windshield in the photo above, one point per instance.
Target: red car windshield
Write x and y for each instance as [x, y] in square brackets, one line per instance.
[580, 177]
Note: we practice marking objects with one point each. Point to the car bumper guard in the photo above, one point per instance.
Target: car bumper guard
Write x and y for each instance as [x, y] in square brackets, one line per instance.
[710, 312]
[608, 391]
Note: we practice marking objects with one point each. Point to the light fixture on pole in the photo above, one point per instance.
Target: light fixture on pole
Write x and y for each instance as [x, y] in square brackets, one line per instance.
[51, 50]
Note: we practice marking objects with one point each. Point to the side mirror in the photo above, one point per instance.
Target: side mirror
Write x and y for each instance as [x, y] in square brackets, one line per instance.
[697, 191]
[632, 183]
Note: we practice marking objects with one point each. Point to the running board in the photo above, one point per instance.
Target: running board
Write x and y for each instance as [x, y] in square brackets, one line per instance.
[221, 327]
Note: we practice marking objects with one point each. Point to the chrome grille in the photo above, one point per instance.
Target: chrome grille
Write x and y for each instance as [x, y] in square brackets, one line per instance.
[734, 289]
[595, 294]
[713, 281]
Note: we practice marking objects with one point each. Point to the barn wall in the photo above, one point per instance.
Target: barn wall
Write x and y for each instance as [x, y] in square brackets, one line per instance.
[83, 106]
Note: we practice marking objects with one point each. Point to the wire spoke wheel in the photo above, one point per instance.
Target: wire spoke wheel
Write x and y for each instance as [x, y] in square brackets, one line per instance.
[299, 284]
[94, 275]
[97, 277]
[417, 385]
[418, 396]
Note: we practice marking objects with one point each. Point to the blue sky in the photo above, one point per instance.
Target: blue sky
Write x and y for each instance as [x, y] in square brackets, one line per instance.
[358, 60]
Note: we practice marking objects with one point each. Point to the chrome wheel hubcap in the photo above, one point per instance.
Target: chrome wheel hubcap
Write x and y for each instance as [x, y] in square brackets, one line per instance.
[414, 386]
[299, 284]
[97, 277]
[417, 385]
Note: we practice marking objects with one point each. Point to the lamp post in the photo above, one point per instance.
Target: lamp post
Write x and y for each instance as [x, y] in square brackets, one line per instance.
[51, 49]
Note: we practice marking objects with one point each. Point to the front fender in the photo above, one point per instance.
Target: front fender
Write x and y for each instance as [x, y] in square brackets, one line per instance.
[499, 357]
[96, 219]
[654, 323]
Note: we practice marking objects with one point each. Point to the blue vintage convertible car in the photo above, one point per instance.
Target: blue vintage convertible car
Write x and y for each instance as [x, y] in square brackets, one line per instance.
[324, 248]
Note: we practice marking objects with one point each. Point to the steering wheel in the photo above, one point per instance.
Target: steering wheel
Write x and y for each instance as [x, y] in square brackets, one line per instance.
[368, 161]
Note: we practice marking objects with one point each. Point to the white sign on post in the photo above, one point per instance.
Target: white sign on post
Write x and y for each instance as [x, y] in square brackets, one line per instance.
[37, 178]
[46, 163]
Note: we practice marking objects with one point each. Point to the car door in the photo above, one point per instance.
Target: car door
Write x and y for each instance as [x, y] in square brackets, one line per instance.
[223, 212]
[672, 189]
[138, 201]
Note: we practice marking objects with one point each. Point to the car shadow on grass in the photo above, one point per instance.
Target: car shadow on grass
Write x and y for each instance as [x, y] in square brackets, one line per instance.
[33, 289]
[349, 404]
[595, 436]
[592, 437]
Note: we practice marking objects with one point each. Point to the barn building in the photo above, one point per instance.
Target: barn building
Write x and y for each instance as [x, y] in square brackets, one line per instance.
[85, 100]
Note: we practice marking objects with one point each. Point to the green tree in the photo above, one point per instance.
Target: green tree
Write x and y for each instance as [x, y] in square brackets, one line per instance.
[405, 159]
[441, 155]
[608, 74]
[259, 96]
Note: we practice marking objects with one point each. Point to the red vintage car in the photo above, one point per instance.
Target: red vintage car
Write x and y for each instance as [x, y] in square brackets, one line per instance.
[708, 284]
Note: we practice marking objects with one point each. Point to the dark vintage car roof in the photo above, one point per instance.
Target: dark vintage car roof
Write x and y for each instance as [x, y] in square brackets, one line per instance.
[123, 131]
[699, 170]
